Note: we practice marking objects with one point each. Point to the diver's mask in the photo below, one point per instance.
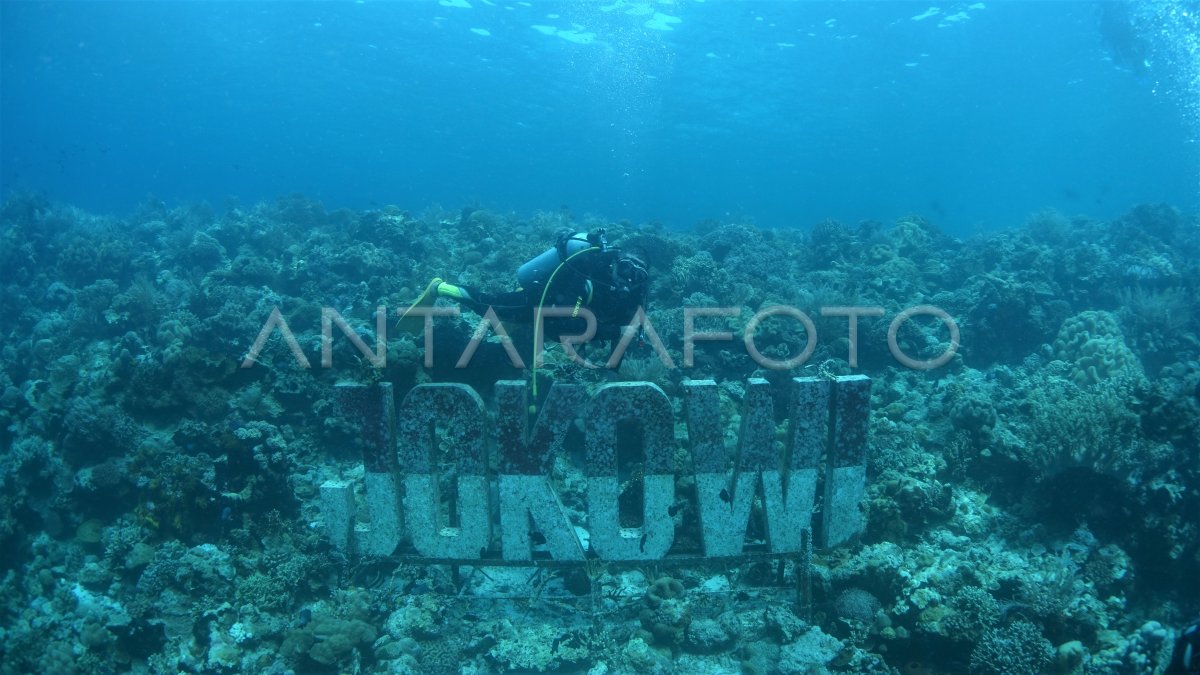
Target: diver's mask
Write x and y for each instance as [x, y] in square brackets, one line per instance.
[630, 272]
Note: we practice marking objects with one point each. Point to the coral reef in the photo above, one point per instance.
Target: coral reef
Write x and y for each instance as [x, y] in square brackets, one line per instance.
[1030, 504]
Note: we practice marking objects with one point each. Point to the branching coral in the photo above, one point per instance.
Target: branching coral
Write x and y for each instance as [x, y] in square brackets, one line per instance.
[1018, 647]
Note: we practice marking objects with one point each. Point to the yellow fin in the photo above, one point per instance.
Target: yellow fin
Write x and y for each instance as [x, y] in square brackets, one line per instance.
[416, 323]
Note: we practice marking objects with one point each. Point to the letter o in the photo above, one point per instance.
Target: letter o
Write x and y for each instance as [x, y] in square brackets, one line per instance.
[752, 325]
[928, 310]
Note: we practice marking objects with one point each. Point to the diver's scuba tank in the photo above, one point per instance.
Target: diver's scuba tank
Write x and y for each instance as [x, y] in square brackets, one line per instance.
[534, 274]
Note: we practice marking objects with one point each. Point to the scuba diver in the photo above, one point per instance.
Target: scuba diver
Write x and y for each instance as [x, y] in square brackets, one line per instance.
[1128, 48]
[581, 271]
[1185, 657]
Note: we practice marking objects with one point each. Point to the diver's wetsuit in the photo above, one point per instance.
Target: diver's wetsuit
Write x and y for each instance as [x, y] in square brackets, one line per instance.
[579, 274]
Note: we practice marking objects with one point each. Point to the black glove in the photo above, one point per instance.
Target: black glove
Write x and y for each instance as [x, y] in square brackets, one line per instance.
[560, 242]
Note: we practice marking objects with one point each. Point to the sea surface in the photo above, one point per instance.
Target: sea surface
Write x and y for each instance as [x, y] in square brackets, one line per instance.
[974, 114]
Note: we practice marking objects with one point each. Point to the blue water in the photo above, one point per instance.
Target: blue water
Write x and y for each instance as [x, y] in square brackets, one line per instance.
[974, 115]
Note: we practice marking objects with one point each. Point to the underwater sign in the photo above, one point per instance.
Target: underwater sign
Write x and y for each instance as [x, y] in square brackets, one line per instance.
[404, 448]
